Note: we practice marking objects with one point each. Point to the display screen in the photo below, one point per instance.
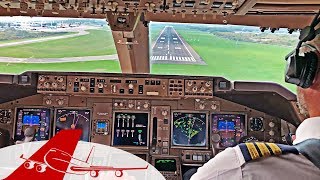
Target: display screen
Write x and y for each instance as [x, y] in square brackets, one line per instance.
[102, 127]
[130, 129]
[31, 120]
[166, 165]
[36, 118]
[73, 119]
[230, 127]
[189, 129]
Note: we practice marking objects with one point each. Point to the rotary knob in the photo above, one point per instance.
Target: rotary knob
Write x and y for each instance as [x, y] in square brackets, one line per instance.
[54, 85]
[271, 133]
[41, 78]
[83, 88]
[121, 104]
[60, 79]
[60, 102]
[48, 101]
[201, 106]
[202, 89]
[164, 112]
[115, 104]
[214, 106]
[130, 86]
[130, 105]
[189, 83]
[271, 124]
[46, 84]
[195, 89]
[208, 83]
[100, 85]
[146, 105]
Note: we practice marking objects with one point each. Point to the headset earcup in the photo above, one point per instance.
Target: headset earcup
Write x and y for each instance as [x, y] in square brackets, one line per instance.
[309, 73]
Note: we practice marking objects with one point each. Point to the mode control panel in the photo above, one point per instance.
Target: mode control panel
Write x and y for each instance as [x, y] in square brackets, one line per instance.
[160, 130]
[117, 86]
[192, 156]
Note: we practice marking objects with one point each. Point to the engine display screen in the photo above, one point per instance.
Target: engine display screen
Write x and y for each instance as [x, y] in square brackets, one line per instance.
[73, 119]
[189, 129]
[37, 118]
[31, 120]
[230, 127]
[166, 165]
[130, 129]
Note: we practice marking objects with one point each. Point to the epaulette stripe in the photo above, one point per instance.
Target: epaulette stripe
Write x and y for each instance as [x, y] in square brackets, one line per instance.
[258, 149]
[275, 149]
[245, 152]
[269, 148]
[263, 149]
[252, 151]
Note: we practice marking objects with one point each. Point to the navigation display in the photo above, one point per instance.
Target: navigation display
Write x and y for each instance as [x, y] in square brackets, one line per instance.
[166, 165]
[130, 129]
[37, 118]
[189, 129]
[230, 128]
[73, 119]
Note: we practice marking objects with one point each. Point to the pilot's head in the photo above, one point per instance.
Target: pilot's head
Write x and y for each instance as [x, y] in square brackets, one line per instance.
[308, 99]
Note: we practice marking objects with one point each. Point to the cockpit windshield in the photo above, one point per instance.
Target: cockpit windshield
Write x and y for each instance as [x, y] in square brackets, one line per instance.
[86, 45]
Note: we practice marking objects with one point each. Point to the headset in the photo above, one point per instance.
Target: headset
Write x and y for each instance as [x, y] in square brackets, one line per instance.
[301, 69]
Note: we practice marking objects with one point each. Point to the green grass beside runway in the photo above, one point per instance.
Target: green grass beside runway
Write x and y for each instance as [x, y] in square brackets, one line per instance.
[86, 66]
[27, 39]
[98, 42]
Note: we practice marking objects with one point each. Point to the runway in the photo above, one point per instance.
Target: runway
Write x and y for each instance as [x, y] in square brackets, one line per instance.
[171, 48]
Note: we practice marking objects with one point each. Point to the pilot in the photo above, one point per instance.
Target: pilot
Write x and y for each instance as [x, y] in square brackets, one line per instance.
[29, 135]
[5, 139]
[274, 161]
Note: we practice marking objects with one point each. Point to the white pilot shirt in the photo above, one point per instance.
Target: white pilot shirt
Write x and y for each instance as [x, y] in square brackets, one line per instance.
[230, 163]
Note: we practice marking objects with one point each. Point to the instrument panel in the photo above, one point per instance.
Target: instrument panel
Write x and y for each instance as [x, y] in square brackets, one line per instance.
[175, 123]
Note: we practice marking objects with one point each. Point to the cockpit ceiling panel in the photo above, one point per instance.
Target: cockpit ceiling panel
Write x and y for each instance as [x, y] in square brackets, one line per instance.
[265, 13]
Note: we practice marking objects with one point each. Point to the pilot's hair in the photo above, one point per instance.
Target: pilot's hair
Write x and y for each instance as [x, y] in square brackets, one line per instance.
[4, 138]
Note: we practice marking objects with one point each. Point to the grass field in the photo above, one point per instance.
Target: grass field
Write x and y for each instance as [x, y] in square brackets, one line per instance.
[98, 42]
[26, 39]
[86, 66]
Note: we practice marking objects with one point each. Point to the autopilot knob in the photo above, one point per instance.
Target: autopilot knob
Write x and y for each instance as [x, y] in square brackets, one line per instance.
[214, 106]
[54, 85]
[48, 102]
[60, 102]
[195, 89]
[202, 89]
[130, 105]
[42, 78]
[146, 105]
[83, 88]
[100, 85]
[164, 112]
[60, 79]
[46, 84]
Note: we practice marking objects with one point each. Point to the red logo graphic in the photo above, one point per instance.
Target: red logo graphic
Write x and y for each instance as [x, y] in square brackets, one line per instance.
[53, 159]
